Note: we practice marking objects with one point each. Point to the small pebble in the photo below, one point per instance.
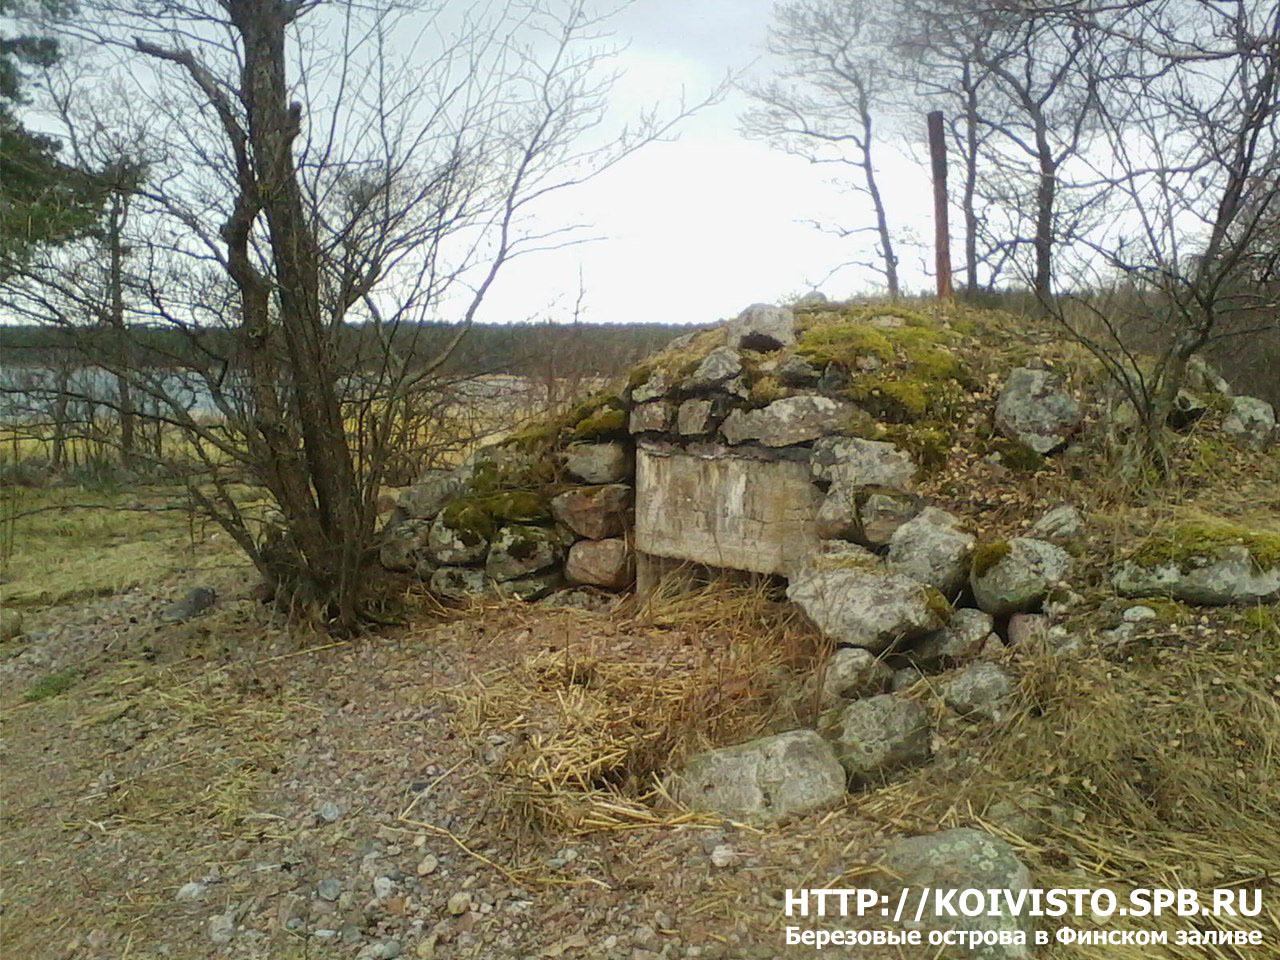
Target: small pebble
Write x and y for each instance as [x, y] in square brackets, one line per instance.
[330, 812]
[723, 855]
[427, 865]
[459, 903]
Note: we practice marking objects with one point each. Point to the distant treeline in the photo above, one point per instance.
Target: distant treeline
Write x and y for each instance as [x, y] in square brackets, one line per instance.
[524, 349]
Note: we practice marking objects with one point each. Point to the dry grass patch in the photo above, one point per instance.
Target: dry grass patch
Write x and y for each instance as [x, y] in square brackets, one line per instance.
[593, 711]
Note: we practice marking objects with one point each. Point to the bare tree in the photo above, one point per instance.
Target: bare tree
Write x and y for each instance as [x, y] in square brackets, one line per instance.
[828, 103]
[1192, 124]
[333, 176]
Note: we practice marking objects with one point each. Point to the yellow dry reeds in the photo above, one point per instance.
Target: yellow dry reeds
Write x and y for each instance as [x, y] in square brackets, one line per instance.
[590, 718]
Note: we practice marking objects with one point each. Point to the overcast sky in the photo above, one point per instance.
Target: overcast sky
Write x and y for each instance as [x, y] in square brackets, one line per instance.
[697, 229]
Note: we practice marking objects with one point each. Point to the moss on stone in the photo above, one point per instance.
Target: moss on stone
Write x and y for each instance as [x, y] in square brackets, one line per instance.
[844, 343]
[765, 389]
[470, 519]
[605, 422]
[519, 505]
[1209, 537]
[523, 542]
[987, 555]
[535, 437]
[938, 605]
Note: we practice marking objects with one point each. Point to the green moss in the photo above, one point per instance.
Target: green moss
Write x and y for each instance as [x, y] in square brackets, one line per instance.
[886, 397]
[520, 506]
[523, 542]
[603, 423]
[640, 374]
[844, 343]
[938, 605]
[471, 519]
[51, 685]
[535, 437]
[929, 445]
[1183, 542]
[987, 555]
[766, 389]
[1017, 456]
[1168, 612]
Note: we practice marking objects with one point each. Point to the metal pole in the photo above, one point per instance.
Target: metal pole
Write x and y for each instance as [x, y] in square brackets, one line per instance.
[942, 232]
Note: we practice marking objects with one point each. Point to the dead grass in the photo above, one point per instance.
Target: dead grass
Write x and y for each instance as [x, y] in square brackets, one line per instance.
[594, 716]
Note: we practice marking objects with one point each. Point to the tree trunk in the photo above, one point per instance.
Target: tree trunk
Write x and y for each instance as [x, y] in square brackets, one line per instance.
[115, 280]
[1045, 194]
[970, 182]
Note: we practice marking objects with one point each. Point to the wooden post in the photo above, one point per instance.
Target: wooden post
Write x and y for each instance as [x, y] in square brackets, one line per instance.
[942, 232]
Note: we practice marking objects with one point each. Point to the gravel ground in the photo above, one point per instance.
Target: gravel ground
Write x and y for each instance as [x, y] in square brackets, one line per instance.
[215, 789]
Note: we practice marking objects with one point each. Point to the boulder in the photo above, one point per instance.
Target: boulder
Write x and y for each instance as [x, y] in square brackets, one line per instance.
[981, 691]
[453, 540]
[879, 735]
[404, 545]
[458, 583]
[854, 462]
[761, 327]
[934, 549]
[1201, 377]
[765, 780]
[796, 371]
[534, 586]
[881, 513]
[1061, 525]
[519, 550]
[1224, 575]
[789, 421]
[428, 496]
[696, 418]
[961, 640]
[601, 563]
[1252, 420]
[658, 385]
[862, 606]
[590, 599]
[652, 417]
[610, 462]
[904, 678]
[1035, 409]
[959, 860]
[720, 365]
[594, 512]
[851, 673]
[1015, 576]
[837, 516]
[1027, 630]
[195, 602]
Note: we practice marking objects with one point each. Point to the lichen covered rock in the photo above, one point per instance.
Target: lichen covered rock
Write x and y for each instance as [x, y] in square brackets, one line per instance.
[1035, 409]
[766, 780]
[866, 607]
[788, 421]
[1015, 575]
[519, 550]
[855, 462]
[933, 548]
[880, 735]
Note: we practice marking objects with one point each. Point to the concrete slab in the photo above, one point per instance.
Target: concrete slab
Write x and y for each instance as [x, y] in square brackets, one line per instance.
[724, 507]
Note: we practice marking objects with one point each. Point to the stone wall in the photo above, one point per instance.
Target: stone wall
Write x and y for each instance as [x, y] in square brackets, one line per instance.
[785, 442]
